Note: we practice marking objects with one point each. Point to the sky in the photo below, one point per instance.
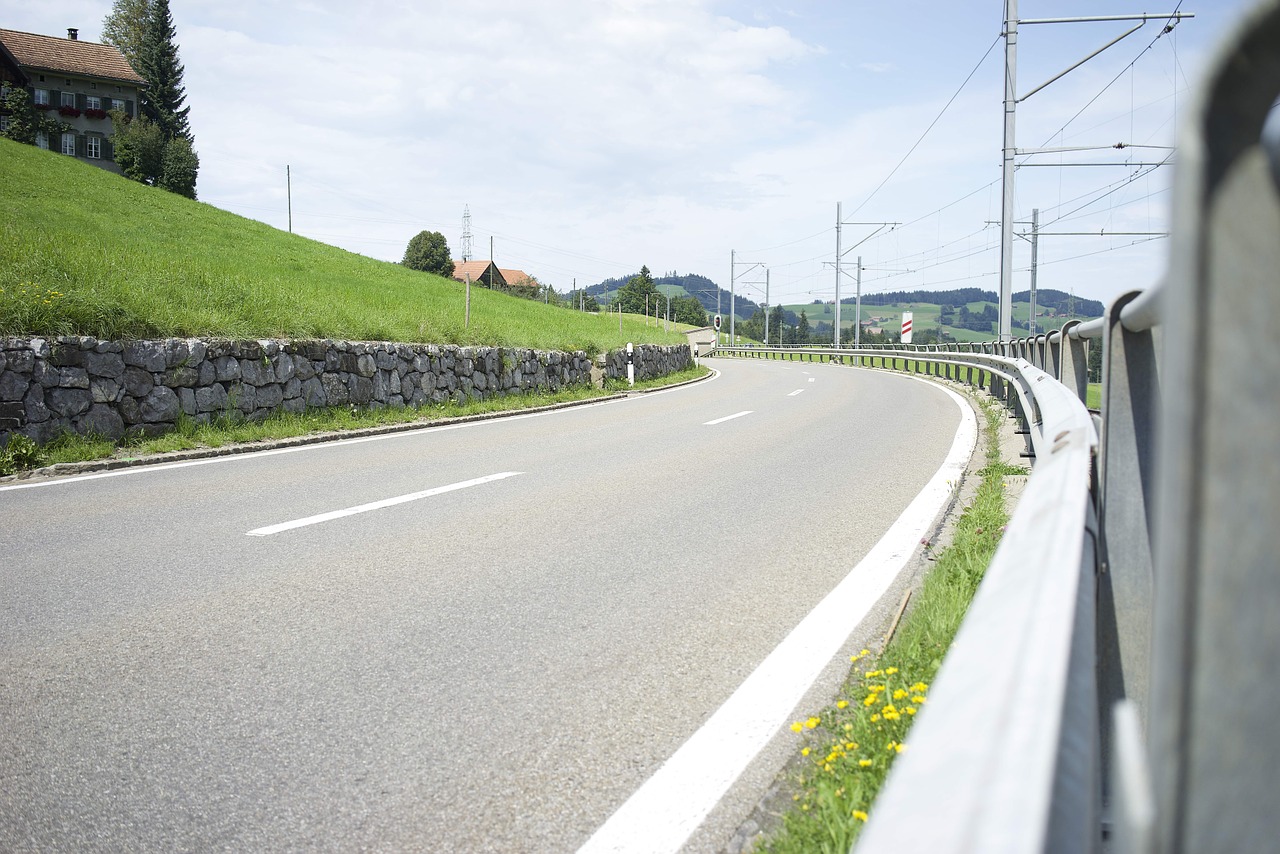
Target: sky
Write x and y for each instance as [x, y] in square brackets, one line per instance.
[590, 137]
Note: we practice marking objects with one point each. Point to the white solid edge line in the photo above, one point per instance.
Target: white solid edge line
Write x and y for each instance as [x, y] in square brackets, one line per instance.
[664, 812]
[377, 505]
[813, 379]
[794, 393]
[727, 418]
[231, 458]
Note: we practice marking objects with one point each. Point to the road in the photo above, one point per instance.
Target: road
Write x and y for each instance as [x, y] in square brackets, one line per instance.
[209, 656]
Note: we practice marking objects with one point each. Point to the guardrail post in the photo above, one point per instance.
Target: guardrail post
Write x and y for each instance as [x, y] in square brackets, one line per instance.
[1074, 365]
[1214, 692]
[1126, 469]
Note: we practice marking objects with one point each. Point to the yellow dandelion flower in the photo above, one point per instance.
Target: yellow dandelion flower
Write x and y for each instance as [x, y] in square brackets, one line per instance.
[871, 674]
[804, 751]
[797, 726]
[889, 709]
[898, 748]
[891, 716]
[878, 689]
[842, 704]
[865, 652]
[827, 767]
[917, 699]
[848, 727]
[864, 763]
[875, 718]
[852, 745]
[919, 687]
[860, 815]
[812, 722]
[899, 694]
[804, 807]
[870, 701]
[889, 671]
[911, 710]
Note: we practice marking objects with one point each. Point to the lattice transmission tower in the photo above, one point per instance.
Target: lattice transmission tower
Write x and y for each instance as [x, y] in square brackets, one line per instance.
[466, 232]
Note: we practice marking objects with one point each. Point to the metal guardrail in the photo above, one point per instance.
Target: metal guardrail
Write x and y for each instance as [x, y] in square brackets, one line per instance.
[1114, 686]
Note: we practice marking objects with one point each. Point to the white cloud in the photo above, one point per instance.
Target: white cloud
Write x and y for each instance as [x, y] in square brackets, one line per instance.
[591, 136]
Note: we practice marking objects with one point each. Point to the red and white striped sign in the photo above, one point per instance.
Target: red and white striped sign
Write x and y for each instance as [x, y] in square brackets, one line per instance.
[906, 327]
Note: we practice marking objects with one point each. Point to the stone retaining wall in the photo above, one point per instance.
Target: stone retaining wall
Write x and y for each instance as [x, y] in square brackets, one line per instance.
[113, 389]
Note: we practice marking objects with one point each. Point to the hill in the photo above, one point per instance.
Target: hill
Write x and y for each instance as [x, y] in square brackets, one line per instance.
[690, 284]
[86, 252]
[963, 314]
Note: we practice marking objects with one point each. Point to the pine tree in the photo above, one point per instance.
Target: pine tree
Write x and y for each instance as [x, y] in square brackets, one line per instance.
[158, 63]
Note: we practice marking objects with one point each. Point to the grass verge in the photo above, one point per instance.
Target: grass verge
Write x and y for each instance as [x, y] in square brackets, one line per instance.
[23, 455]
[850, 747]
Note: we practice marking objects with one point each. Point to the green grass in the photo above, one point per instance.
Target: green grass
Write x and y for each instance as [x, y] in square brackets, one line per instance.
[85, 252]
[1093, 396]
[850, 747]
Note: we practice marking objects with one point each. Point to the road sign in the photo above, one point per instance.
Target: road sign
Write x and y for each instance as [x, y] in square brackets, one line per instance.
[718, 321]
[906, 327]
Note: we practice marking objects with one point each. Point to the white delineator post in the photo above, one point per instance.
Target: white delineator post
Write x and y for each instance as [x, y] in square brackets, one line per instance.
[631, 367]
[906, 327]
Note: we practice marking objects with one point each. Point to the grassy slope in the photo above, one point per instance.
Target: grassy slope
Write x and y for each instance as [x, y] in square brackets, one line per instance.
[86, 252]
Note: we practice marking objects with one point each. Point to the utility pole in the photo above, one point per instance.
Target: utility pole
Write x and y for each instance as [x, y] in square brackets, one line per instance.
[733, 276]
[857, 323]
[766, 306]
[1009, 151]
[288, 191]
[1035, 252]
[840, 223]
[836, 332]
[1006, 167]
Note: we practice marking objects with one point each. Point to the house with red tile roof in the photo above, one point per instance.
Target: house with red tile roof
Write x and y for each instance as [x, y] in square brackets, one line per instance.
[76, 82]
[479, 273]
[517, 279]
[493, 277]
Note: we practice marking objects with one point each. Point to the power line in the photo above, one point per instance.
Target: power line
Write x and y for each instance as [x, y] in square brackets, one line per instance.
[936, 119]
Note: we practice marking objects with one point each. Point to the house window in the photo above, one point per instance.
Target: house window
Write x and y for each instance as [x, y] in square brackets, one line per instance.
[68, 98]
[4, 123]
[117, 104]
[69, 144]
[42, 140]
[42, 96]
[93, 147]
[93, 102]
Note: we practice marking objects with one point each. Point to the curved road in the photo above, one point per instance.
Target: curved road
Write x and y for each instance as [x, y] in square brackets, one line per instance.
[211, 656]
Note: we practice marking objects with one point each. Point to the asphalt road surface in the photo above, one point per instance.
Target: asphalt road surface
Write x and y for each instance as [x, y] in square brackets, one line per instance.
[509, 628]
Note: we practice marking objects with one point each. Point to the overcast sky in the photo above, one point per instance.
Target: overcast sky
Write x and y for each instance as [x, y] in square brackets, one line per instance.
[589, 137]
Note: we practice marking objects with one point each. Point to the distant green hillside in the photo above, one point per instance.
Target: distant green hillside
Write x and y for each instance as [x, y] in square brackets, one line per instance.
[84, 252]
[929, 315]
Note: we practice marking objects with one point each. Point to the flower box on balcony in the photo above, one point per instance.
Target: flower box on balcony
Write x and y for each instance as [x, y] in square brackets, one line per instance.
[69, 112]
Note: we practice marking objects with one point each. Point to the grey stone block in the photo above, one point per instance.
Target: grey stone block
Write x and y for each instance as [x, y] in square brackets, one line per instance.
[160, 404]
[68, 402]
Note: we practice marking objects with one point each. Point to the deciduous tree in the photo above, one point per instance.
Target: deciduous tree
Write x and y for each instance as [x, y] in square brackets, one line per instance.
[428, 251]
[179, 166]
[125, 27]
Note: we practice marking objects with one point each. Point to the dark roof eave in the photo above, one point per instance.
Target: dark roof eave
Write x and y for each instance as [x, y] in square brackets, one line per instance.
[139, 83]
